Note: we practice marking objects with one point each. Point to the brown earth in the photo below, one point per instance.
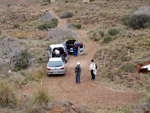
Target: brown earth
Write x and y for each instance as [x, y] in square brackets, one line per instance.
[96, 96]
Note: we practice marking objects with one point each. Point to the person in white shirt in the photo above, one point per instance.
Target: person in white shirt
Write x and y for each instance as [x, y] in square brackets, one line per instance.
[57, 53]
[92, 68]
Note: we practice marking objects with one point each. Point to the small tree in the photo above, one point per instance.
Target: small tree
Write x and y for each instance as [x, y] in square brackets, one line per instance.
[139, 21]
[14, 54]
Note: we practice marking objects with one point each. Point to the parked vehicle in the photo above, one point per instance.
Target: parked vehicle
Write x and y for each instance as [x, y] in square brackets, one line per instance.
[69, 46]
[61, 48]
[55, 66]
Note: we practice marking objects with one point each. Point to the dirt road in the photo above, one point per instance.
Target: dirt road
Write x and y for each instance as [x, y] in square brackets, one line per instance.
[92, 94]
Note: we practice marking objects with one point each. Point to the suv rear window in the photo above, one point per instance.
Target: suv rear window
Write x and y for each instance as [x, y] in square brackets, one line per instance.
[55, 64]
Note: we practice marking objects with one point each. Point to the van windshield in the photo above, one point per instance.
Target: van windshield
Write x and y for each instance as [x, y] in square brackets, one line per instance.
[55, 64]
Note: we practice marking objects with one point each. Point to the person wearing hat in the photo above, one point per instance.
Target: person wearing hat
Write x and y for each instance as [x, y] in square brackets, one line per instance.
[78, 72]
[92, 68]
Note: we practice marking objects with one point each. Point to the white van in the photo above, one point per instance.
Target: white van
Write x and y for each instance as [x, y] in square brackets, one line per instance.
[61, 48]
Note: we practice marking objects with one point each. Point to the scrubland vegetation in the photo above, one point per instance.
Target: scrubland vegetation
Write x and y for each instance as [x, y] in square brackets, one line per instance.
[122, 28]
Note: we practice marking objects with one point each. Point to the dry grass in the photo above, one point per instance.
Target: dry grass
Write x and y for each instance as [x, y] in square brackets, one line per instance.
[7, 95]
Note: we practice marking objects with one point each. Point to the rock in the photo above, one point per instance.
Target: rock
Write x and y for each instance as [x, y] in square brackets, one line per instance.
[65, 103]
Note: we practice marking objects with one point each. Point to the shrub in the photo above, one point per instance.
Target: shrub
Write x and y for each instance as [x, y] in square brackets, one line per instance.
[102, 33]
[41, 97]
[129, 68]
[96, 38]
[91, 0]
[139, 21]
[78, 26]
[107, 39]
[66, 15]
[126, 20]
[66, 1]
[7, 96]
[146, 97]
[23, 60]
[113, 32]
[16, 25]
[44, 4]
[122, 110]
[147, 25]
[48, 25]
[58, 35]
[49, 1]
[40, 60]
[33, 76]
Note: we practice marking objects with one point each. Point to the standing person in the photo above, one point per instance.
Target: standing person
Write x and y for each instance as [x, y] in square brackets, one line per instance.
[74, 49]
[92, 68]
[78, 45]
[78, 72]
[81, 48]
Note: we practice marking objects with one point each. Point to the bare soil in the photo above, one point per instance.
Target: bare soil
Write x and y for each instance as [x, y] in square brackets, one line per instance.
[96, 96]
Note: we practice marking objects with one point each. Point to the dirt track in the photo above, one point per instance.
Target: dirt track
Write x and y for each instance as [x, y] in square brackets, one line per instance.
[95, 96]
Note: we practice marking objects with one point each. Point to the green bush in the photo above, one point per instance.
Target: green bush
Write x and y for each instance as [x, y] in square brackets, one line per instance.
[23, 60]
[91, 0]
[16, 25]
[44, 4]
[48, 1]
[48, 25]
[41, 97]
[7, 95]
[66, 1]
[66, 15]
[102, 33]
[96, 38]
[78, 26]
[113, 32]
[147, 25]
[122, 110]
[139, 21]
[129, 68]
[107, 39]
[126, 20]
[40, 60]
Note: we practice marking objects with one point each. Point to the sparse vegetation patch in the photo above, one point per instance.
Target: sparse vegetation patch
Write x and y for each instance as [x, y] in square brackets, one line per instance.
[7, 96]
[41, 97]
[107, 39]
[48, 24]
[78, 26]
[66, 15]
[113, 32]
[129, 68]
[139, 21]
